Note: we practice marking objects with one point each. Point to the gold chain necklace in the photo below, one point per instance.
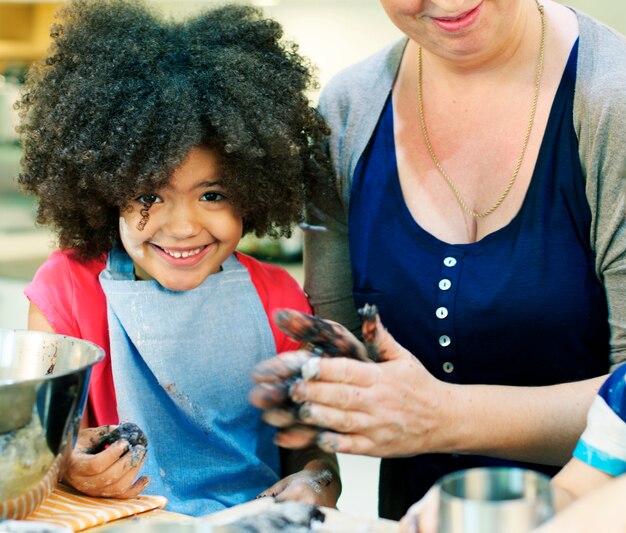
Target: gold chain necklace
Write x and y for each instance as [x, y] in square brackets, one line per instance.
[518, 164]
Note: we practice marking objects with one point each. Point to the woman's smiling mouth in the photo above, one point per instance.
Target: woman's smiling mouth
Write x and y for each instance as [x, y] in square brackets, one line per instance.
[460, 22]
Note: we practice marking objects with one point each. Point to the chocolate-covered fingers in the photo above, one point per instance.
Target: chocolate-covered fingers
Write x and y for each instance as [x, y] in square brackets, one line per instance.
[270, 395]
[281, 418]
[327, 337]
[286, 366]
[297, 436]
[369, 327]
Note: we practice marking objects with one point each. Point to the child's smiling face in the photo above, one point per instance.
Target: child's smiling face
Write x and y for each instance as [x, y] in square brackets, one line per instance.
[191, 227]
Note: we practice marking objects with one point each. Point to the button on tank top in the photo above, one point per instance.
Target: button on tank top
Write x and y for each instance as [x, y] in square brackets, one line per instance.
[522, 306]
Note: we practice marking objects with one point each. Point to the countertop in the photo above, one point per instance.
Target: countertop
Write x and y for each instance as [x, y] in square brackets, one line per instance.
[335, 521]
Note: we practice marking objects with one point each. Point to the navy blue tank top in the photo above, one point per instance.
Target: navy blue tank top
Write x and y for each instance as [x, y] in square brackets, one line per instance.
[522, 306]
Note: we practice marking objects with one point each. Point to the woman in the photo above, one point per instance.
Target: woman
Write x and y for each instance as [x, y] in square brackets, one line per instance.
[480, 206]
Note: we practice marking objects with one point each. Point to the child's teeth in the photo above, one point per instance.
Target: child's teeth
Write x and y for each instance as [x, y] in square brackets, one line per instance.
[184, 254]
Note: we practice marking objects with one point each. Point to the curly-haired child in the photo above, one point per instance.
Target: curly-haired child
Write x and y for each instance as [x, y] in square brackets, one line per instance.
[153, 146]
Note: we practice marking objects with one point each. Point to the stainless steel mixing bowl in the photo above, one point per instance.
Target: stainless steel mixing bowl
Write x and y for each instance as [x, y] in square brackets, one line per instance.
[43, 389]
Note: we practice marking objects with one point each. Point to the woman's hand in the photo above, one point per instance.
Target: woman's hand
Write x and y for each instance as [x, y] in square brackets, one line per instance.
[384, 409]
[422, 517]
[391, 408]
[109, 473]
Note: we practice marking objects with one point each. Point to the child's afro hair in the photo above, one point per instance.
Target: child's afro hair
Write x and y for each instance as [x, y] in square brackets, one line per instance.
[125, 93]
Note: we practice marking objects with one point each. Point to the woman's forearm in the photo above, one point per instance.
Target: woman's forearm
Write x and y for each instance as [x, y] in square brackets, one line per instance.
[535, 424]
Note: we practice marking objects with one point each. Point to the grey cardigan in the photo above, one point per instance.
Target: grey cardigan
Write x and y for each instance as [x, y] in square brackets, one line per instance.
[352, 102]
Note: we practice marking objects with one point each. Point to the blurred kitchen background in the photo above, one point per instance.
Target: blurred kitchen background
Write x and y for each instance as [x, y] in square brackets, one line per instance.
[332, 33]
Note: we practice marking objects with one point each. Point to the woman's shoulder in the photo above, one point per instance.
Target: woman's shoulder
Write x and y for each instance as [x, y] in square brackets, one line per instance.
[351, 103]
[592, 29]
[601, 61]
[357, 82]
[600, 100]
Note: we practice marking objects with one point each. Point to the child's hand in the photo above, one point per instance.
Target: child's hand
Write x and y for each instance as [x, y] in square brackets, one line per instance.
[307, 486]
[108, 473]
[599, 509]
[422, 517]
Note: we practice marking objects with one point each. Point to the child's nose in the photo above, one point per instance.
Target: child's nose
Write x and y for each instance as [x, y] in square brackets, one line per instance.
[182, 222]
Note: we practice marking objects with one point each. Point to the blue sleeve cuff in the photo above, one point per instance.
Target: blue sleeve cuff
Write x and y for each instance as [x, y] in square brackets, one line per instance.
[599, 459]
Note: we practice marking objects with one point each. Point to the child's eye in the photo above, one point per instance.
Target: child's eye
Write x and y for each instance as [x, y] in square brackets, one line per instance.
[213, 196]
[147, 199]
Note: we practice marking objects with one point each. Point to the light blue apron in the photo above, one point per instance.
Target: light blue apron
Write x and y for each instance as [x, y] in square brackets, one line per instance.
[181, 366]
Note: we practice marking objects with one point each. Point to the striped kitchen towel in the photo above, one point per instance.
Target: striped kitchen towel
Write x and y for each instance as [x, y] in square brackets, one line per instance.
[65, 507]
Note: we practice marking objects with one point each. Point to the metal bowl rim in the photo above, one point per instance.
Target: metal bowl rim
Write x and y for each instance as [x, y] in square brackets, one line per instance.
[99, 356]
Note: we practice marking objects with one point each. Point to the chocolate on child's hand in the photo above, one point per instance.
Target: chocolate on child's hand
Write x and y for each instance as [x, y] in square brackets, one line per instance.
[127, 431]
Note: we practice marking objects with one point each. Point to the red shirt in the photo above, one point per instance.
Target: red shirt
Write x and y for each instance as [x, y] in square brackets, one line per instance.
[68, 292]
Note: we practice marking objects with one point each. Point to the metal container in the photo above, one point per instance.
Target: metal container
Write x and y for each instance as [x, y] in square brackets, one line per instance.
[43, 389]
[494, 500]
